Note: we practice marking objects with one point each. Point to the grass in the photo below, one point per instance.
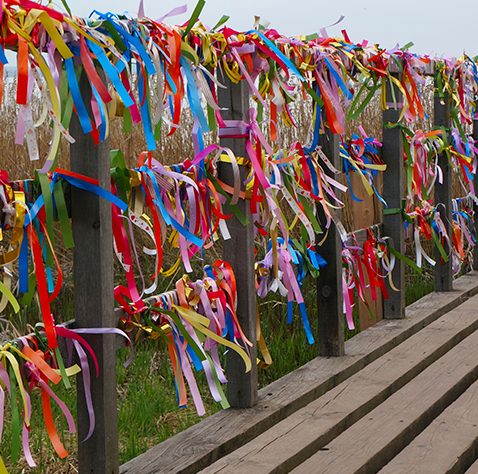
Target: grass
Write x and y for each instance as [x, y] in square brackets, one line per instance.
[147, 408]
[148, 412]
[419, 285]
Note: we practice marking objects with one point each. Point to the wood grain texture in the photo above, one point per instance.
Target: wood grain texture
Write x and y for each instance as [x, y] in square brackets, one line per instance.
[447, 446]
[299, 436]
[364, 216]
[238, 251]
[94, 301]
[221, 433]
[443, 195]
[473, 469]
[393, 187]
[372, 442]
[330, 337]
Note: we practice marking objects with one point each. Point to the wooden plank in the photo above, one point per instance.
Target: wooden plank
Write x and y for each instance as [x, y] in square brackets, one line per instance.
[239, 252]
[330, 314]
[473, 469]
[361, 235]
[94, 302]
[221, 433]
[299, 436]
[377, 438]
[364, 216]
[448, 445]
[430, 68]
[443, 272]
[393, 188]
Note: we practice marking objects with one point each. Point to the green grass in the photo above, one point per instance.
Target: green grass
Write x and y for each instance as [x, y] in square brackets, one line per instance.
[148, 412]
[418, 284]
[43, 454]
[147, 408]
[288, 343]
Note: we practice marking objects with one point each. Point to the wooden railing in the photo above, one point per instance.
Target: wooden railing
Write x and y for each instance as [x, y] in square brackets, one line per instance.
[93, 268]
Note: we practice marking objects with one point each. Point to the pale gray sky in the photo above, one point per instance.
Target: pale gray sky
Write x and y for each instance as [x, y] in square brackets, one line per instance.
[440, 27]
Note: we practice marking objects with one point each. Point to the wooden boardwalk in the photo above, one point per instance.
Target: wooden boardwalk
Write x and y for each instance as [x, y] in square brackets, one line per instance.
[404, 399]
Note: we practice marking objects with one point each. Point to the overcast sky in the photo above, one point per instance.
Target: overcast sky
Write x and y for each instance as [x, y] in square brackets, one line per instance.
[439, 27]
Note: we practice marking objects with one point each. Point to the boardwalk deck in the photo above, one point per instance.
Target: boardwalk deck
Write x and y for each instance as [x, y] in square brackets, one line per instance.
[351, 414]
[447, 445]
[381, 433]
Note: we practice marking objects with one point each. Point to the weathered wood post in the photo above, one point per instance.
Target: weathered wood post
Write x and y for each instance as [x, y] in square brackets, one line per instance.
[475, 187]
[94, 302]
[443, 272]
[239, 252]
[329, 283]
[393, 189]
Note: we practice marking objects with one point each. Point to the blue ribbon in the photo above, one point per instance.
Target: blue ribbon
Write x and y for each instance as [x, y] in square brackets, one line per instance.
[338, 78]
[3, 58]
[305, 322]
[79, 183]
[120, 65]
[170, 220]
[229, 329]
[290, 311]
[75, 93]
[49, 279]
[346, 171]
[135, 42]
[278, 52]
[194, 357]
[23, 265]
[171, 83]
[313, 173]
[193, 96]
[102, 113]
[158, 202]
[112, 73]
[209, 272]
[148, 128]
[315, 259]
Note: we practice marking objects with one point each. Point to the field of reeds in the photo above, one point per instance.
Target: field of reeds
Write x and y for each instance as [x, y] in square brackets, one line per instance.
[148, 411]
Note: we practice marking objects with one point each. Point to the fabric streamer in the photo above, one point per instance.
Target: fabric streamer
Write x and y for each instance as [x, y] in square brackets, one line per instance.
[154, 71]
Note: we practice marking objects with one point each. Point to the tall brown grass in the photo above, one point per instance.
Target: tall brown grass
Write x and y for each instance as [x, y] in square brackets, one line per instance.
[177, 147]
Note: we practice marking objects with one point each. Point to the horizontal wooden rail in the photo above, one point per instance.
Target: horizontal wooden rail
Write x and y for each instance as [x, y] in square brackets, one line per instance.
[358, 237]
[94, 303]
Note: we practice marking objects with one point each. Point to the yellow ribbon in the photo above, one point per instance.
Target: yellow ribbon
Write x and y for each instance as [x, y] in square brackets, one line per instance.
[201, 323]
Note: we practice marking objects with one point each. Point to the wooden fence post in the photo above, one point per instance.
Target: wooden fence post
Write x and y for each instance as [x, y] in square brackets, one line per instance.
[443, 273]
[475, 206]
[329, 283]
[239, 252]
[94, 302]
[393, 189]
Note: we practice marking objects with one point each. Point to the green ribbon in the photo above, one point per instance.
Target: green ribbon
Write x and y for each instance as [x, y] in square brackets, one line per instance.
[63, 215]
[197, 11]
[15, 417]
[61, 367]
[404, 259]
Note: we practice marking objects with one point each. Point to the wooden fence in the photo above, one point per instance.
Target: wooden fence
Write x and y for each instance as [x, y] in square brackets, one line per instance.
[93, 267]
[94, 283]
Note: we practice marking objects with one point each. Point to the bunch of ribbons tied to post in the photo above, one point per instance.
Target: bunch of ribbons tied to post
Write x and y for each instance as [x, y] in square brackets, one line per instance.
[148, 73]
